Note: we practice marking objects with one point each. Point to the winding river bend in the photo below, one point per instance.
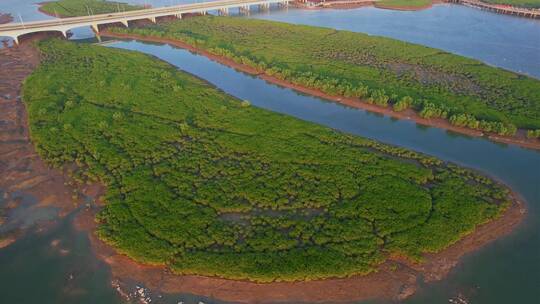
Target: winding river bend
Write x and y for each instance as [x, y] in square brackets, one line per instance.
[506, 271]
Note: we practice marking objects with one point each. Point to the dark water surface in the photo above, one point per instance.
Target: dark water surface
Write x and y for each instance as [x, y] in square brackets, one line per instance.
[33, 270]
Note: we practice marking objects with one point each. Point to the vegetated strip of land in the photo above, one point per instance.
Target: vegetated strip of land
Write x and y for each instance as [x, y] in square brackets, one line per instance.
[381, 74]
[408, 5]
[209, 185]
[516, 3]
[75, 8]
[5, 18]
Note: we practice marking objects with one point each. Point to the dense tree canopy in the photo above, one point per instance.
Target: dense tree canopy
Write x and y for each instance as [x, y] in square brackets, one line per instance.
[210, 185]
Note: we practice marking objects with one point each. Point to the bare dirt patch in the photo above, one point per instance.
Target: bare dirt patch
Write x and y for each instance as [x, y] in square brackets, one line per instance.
[23, 173]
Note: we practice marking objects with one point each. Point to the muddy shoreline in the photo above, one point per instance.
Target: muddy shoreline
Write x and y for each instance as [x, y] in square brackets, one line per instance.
[396, 279]
[24, 174]
[519, 140]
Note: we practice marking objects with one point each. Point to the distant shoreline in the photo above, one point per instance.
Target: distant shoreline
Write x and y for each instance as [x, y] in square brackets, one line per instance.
[396, 279]
[494, 8]
[524, 12]
[5, 18]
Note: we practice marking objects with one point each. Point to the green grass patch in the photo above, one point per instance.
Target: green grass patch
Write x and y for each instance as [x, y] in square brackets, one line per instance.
[75, 8]
[209, 185]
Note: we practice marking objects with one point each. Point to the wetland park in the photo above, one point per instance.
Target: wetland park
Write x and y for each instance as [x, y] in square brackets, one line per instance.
[232, 158]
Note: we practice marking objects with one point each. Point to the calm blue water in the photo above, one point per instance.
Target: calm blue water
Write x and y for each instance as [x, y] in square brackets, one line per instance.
[506, 271]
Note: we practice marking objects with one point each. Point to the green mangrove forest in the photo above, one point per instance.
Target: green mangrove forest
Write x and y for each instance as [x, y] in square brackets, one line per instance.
[518, 3]
[404, 4]
[207, 184]
[75, 8]
[381, 71]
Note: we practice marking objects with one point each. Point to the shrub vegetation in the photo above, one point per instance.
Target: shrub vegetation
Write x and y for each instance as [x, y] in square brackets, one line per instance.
[74, 8]
[518, 3]
[208, 185]
[406, 4]
[379, 70]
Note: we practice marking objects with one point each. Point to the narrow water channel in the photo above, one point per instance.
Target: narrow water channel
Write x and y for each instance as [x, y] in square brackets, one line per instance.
[491, 275]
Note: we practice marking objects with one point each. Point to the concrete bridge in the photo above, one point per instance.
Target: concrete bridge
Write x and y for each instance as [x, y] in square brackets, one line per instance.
[15, 30]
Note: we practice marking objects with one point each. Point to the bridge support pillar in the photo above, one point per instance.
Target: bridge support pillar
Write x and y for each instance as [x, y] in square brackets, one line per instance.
[16, 40]
[95, 28]
[223, 11]
[153, 19]
[243, 10]
[125, 22]
[64, 33]
[179, 15]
